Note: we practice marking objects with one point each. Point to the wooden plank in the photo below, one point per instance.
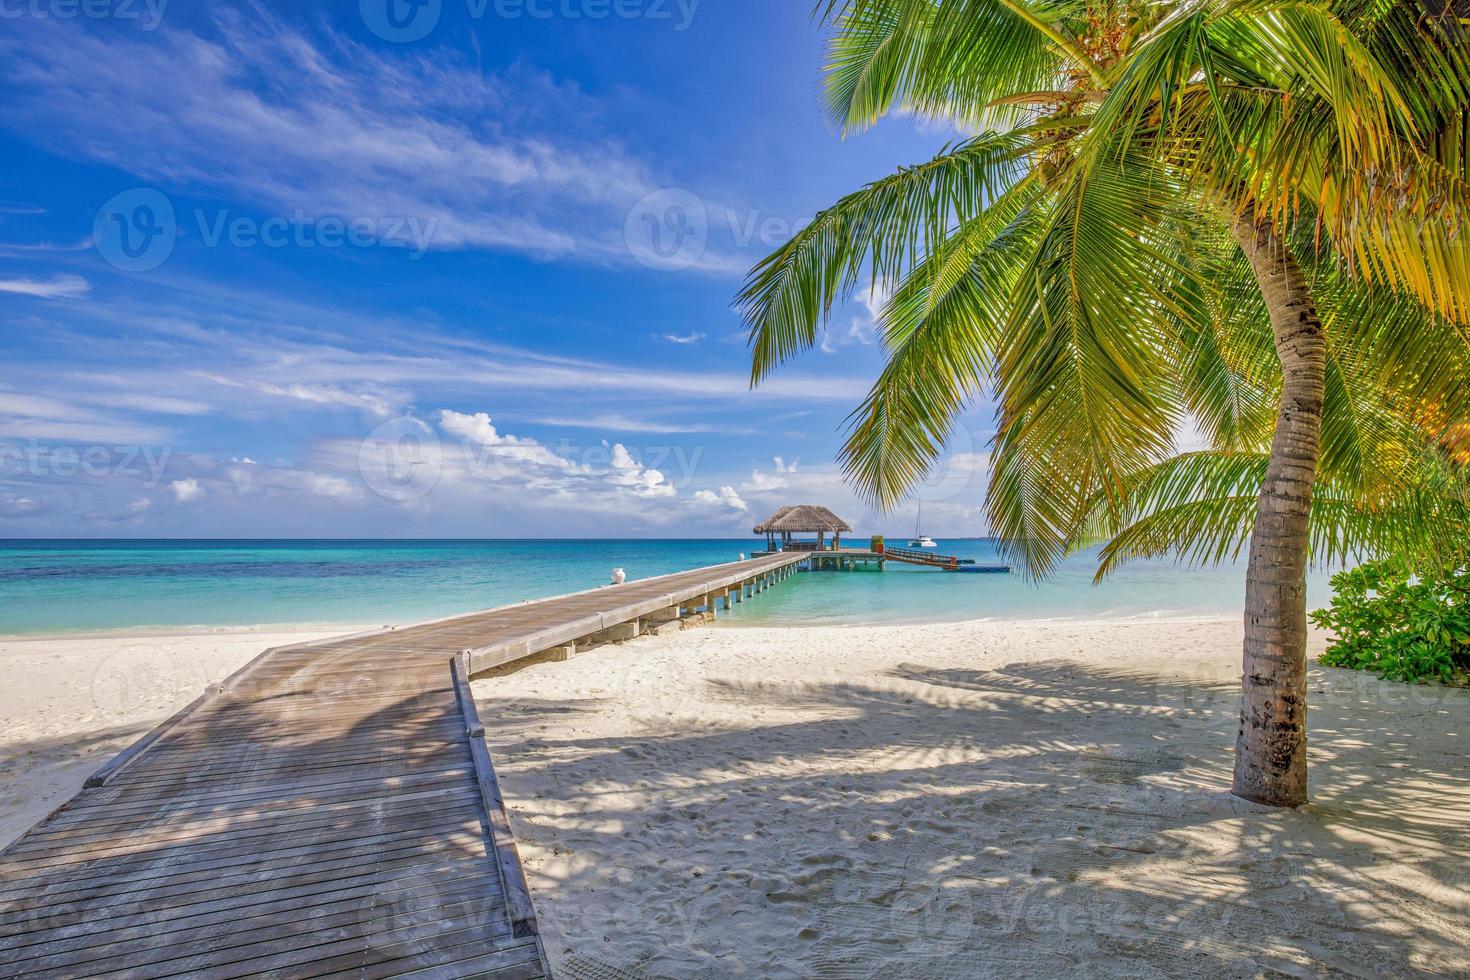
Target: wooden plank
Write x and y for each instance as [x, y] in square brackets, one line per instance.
[513, 877]
[145, 946]
[197, 860]
[116, 887]
[85, 923]
[221, 829]
[302, 880]
[366, 787]
[251, 782]
[87, 947]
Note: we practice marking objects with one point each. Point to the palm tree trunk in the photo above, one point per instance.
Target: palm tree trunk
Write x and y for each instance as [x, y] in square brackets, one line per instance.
[1271, 745]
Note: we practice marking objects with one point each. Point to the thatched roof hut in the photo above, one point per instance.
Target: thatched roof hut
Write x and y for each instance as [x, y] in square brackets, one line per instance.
[803, 519]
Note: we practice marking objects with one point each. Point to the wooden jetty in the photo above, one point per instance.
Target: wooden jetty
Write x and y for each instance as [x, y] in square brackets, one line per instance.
[330, 810]
[782, 527]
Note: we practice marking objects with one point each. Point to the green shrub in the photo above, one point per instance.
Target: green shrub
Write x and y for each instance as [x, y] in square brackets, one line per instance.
[1402, 625]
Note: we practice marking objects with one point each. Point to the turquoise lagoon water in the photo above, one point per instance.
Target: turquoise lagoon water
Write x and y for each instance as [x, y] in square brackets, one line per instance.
[70, 586]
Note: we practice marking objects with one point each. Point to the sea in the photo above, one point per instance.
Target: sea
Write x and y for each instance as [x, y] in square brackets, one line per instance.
[70, 586]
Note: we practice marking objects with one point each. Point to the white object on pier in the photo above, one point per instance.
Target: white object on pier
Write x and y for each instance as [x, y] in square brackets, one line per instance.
[619, 576]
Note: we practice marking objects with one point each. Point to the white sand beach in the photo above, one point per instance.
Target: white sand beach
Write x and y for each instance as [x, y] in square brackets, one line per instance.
[947, 801]
[69, 703]
[973, 800]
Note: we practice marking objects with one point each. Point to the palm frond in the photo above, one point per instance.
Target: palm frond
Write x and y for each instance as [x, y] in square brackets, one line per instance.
[1201, 507]
[883, 230]
[941, 328]
[957, 59]
[1084, 393]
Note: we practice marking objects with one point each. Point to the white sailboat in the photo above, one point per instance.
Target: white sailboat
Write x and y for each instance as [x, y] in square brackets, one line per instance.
[921, 540]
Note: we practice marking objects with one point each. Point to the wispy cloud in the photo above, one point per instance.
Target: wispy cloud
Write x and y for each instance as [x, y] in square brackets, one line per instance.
[684, 338]
[613, 422]
[315, 394]
[862, 328]
[32, 416]
[57, 287]
[313, 354]
[324, 126]
[27, 248]
[154, 404]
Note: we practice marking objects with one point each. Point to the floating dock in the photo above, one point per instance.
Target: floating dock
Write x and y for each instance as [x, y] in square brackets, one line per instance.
[329, 810]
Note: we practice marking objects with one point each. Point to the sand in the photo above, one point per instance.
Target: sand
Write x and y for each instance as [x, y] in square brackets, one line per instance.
[68, 704]
[973, 800]
[1006, 799]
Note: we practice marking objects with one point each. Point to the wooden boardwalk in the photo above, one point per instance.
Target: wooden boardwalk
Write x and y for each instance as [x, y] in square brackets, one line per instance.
[330, 810]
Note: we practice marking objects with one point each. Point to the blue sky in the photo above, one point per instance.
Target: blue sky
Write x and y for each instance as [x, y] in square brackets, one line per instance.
[302, 269]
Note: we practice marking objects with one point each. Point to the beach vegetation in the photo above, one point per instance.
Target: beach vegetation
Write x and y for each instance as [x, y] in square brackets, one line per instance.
[1402, 624]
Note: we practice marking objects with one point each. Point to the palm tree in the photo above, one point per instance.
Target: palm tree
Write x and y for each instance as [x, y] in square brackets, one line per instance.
[1242, 214]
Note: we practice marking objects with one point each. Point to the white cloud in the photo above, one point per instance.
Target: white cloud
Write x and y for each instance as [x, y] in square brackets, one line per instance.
[684, 338]
[492, 455]
[187, 491]
[761, 481]
[488, 451]
[57, 287]
[139, 506]
[629, 472]
[18, 506]
[726, 497]
[334, 487]
[478, 428]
